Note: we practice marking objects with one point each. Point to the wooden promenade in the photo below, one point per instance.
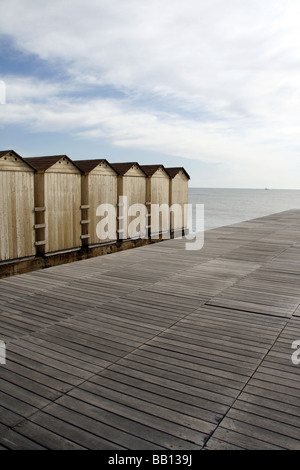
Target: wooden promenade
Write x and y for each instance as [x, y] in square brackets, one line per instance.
[158, 347]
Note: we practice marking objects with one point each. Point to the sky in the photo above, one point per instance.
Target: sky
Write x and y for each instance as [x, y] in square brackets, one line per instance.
[210, 85]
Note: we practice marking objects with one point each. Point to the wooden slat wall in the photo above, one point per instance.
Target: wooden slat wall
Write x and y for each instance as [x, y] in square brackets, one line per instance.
[16, 209]
[62, 216]
[135, 189]
[133, 185]
[85, 209]
[158, 193]
[42, 211]
[102, 189]
[179, 195]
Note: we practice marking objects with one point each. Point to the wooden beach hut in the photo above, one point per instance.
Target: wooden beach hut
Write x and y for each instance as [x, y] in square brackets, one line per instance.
[57, 204]
[16, 207]
[179, 180]
[132, 219]
[158, 199]
[98, 202]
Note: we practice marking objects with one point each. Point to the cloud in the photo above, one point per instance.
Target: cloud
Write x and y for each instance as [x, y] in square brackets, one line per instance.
[47, 108]
[153, 45]
[214, 81]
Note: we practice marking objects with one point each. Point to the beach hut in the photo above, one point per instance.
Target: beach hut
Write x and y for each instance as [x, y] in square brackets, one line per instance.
[57, 204]
[158, 199]
[98, 202]
[16, 207]
[132, 210]
[179, 180]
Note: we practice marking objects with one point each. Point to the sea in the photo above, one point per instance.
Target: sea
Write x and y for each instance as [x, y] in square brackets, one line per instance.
[229, 206]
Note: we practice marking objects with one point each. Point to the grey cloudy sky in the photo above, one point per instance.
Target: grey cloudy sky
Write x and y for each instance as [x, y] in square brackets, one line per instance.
[212, 84]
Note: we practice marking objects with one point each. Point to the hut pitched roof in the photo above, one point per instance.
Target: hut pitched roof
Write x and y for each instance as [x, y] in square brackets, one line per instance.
[151, 169]
[4, 153]
[88, 165]
[122, 168]
[44, 163]
[172, 172]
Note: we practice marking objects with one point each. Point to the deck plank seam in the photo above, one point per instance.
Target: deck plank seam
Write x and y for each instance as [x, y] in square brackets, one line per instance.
[201, 303]
[264, 356]
[97, 373]
[248, 380]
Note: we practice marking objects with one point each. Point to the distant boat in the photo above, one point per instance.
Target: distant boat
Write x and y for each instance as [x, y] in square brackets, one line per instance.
[266, 189]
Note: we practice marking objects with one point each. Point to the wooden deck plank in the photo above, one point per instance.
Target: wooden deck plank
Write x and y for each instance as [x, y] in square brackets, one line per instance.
[48, 439]
[9, 418]
[243, 441]
[43, 351]
[161, 399]
[110, 348]
[26, 383]
[262, 434]
[158, 347]
[51, 382]
[140, 415]
[152, 408]
[278, 417]
[12, 440]
[149, 434]
[162, 387]
[49, 365]
[211, 369]
[211, 383]
[104, 434]
[208, 399]
[268, 407]
[98, 351]
[72, 433]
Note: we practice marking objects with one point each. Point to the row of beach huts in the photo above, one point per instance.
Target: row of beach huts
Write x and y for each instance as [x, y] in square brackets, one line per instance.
[50, 204]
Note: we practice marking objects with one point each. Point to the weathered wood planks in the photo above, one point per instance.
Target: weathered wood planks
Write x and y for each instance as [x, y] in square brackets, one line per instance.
[158, 347]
